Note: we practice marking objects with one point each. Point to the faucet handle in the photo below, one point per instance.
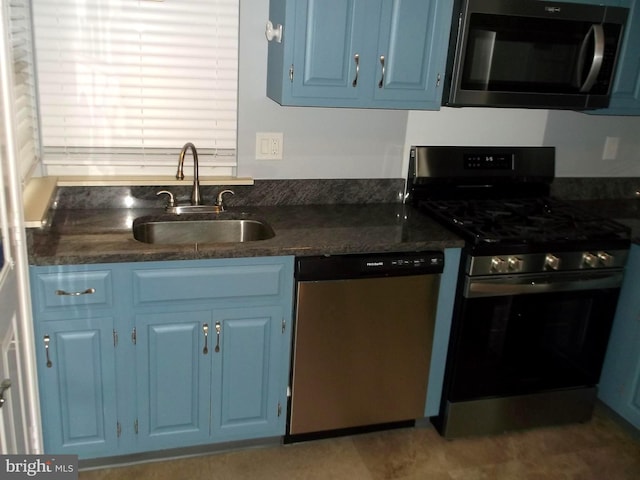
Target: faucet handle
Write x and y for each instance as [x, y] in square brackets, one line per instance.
[220, 199]
[171, 202]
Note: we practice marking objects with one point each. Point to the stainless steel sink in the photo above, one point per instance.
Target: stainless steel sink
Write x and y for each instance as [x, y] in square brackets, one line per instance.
[181, 229]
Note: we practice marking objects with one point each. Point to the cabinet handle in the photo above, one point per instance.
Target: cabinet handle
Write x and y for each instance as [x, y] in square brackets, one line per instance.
[356, 58]
[205, 330]
[46, 349]
[381, 82]
[88, 291]
[3, 388]
[218, 329]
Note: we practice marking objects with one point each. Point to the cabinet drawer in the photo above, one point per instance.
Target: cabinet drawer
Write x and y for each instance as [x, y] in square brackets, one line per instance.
[61, 290]
[211, 283]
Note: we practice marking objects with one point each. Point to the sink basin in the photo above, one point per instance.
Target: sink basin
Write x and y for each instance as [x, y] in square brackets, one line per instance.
[181, 229]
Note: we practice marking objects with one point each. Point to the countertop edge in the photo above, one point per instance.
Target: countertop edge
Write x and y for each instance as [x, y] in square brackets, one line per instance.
[83, 237]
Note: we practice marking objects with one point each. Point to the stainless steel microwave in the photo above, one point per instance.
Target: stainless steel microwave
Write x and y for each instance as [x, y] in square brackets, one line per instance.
[532, 54]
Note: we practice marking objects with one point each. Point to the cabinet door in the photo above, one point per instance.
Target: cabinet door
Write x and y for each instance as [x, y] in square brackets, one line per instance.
[173, 370]
[412, 51]
[620, 381]
[442, 330]
[249, 393]
[78, 386]
[330, 54]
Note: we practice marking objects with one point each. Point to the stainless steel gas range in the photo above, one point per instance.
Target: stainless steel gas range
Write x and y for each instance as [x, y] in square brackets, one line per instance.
[537, 292]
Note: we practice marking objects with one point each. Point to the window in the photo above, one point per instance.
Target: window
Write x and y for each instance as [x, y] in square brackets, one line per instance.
[25, 122]
[123, 84]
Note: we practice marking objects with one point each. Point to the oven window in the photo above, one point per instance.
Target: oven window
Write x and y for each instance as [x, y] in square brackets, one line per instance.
[525, 343]
[520, 54]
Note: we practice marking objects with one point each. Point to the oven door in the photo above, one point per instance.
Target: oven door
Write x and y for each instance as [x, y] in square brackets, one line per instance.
[523, 334]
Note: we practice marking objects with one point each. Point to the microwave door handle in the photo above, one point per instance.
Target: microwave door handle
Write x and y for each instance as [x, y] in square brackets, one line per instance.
[597, 32]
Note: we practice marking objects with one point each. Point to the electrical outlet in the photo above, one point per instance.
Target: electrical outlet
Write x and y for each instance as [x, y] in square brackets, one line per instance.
[269, 145]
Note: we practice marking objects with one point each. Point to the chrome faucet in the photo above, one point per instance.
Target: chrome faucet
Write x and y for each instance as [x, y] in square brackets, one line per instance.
[220, 200]
[195, 193]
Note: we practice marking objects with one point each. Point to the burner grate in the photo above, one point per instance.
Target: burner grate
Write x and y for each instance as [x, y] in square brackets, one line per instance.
[522, 220]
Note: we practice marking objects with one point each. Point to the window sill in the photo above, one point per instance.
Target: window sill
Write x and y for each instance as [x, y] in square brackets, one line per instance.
[36, 198]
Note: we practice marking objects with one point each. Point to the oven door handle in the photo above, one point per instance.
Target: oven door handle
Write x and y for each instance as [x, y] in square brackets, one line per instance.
[530, 284]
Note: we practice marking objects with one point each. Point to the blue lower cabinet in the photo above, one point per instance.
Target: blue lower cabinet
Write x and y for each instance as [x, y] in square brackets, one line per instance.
[137, 357]
[620, 380]
[173, 372]
[442, 329]
[77, 378]
[248, 385]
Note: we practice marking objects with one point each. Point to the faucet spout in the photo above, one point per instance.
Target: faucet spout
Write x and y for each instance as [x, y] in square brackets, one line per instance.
[195, 193]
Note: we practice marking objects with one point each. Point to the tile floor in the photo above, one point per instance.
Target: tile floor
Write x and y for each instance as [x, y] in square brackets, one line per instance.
[598, 450]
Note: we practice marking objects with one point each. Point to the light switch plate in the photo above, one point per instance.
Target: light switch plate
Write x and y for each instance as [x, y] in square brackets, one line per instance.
[269, 145]
[610, 150]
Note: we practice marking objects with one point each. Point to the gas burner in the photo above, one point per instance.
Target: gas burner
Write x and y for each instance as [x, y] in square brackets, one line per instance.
[522, 220]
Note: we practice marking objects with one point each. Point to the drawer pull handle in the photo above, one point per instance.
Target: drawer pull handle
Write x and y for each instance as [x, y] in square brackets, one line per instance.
[88, 291]
[46, 349]
[381, 82]
[3, 388]
[218, 329]
[205, 330]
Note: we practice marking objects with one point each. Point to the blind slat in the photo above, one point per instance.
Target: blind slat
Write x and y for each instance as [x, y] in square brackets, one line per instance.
[136, 74]
[25, 105]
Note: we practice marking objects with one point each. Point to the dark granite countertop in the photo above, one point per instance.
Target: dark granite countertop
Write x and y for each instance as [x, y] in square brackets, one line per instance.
[81, 236]
[625, 211]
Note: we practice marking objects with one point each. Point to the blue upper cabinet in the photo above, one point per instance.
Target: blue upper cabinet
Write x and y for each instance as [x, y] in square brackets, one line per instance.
[330, 40]
[412, 50]
[359, 53]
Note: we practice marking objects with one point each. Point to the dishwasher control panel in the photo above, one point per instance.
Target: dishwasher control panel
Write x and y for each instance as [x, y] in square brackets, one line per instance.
[393, 263]
[327, 267]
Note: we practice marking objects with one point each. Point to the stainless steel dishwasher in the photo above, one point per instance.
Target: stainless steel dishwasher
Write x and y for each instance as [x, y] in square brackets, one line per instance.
[362, 342]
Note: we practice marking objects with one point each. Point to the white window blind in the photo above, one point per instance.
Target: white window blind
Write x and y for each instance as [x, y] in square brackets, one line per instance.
[124, 84]
[24, 102]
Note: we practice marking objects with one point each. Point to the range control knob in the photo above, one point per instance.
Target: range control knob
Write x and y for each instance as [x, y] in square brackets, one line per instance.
[590, 260]
[499, 265]
[551, 261]
[515, 264]
[606, 259]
